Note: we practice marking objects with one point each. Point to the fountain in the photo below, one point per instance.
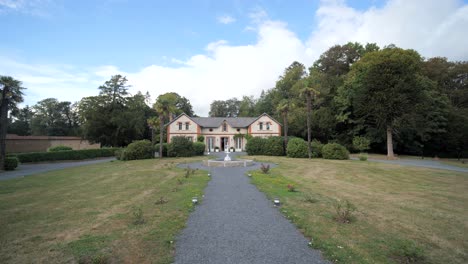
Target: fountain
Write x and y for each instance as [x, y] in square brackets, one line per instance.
[228, 161]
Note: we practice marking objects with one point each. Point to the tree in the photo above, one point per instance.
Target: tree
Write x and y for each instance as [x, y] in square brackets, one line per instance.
[21, 123]
[228, 108]
[12, 94]
[310, 89]
[383, 86]
[164, 106]
[54, 118]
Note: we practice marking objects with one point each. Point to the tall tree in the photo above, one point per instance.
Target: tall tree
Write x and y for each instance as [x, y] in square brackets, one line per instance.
[21, 123]
[165, 105]
[384, 85]
[11, 91]
[310, 89]
[54, 118]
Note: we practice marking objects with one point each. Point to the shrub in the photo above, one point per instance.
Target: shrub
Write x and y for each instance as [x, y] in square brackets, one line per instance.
[200, 138]
[273, 146]
[265, 168]
[362, 157]
[66, 155]
[59, 148]
[361, 143]
[335, 151]
[198, 148]
[297, 148]
[11, 163]
[291, 188]
[138, 216]
[406, 251]
[180, 147]
[255, 146]
[316, 148]
[164, 149]
[344, 211]
[136, 150]
[118, 154]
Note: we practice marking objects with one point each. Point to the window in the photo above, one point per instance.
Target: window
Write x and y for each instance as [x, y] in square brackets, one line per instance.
[268, 126]
[238, 130]
[211, 130]
[180, 125]
[260, 125]
[190, 138]
[224, 127]
[187, 125]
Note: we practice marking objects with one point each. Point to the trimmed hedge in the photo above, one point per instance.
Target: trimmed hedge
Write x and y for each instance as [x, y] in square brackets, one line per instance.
[59, 148]
[11, 163]
[335, 151]
[255, 146]
[180, 147]
[198, 148]
[66, 155]
[164, 149]
[274, 146]
[297, 148]
[316, 148]
[141, 149]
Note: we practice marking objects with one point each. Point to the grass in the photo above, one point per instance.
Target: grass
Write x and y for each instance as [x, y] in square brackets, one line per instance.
[87, 214]
[462, 163]
[403, 214]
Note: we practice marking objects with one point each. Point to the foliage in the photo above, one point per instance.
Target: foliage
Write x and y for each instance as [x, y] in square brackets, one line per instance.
[66, 155]
[59, 148]
[344, 211]
[297, 148]
[200, 138]
[316, 148]
[273, 146]
[11, 163]
[20, 121]
[335, 151]
[228, 108]
[198, 148]
[361, 143]
[164, 149]
[265, 168]
[291, 188]
[141, 149]
[180, 147]
[407, 251]
[362, 157]
[255, 146]
[54, 118]
[137, 213]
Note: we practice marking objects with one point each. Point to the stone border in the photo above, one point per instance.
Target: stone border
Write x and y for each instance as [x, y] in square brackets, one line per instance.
[233, 163]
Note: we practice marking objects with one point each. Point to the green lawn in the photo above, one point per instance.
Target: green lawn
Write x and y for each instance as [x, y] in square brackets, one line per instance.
[86, 214]
[403, 213]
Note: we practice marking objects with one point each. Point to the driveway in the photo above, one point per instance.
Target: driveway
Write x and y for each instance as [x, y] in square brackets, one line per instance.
[30, 169]
[236, 223]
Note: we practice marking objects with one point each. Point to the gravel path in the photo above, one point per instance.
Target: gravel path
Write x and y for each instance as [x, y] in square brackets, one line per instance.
[30, 169]
[236, 223]
[421, 163]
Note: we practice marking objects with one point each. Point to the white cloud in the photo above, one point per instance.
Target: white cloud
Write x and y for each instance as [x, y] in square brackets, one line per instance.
[38, 8]
[226, 19]
[223, 70]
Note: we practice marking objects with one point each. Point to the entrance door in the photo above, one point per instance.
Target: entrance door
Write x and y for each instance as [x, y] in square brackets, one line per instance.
[224, 143]
[210, 142]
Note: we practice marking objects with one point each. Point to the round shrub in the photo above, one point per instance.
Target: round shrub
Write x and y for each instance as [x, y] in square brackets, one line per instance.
[316, 148]
[11, 163]
[198, 148]
[297, 148]
[164, 149]
[274, 146]
[255, 146]
[141, 149]
[180, 147]
[335, 151]
[200, 138]
[59, 148]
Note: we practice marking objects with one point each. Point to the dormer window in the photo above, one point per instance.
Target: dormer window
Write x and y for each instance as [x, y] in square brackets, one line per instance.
[224, 127]
[187, 125]
[180, 125]
[260, 125]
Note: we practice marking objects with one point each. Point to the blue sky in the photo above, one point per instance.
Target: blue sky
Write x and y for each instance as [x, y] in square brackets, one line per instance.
[204, 50]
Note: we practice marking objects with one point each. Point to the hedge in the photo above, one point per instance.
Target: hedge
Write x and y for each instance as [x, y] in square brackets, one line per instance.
[59, 148]
[297, 148]
[180, 147]
[255, 146]
[198, 148]
[164, 149]
[316, 148]
[335, 151]
[274, 146]
[66, 155]
[11, 163]
[141, 149]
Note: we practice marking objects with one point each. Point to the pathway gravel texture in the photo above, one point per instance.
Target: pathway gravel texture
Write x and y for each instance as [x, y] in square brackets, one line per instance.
[236, 223]
[31, 169]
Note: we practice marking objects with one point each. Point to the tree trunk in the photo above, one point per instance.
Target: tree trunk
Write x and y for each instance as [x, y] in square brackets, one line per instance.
[309, 109]
[3, 126]
[161, 132]
[389, 143]
[285, 129]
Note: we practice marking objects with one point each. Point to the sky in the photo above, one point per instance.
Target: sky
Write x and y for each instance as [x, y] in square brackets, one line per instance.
[205, 50]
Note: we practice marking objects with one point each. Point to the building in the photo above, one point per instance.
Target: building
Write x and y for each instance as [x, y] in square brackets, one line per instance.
[223, 132]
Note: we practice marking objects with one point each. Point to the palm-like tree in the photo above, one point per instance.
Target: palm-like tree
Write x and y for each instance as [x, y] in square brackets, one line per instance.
[283, 109]
[309, 90]
[11, 93]
[165, 105]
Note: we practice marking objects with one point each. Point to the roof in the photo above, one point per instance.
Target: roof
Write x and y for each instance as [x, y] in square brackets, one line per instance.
[212, 122]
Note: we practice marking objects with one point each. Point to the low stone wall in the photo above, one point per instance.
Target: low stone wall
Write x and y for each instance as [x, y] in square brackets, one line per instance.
[20, 144]
[233, 163]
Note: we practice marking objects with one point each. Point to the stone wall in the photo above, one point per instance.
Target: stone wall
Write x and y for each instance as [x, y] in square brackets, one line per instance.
[17, 144]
